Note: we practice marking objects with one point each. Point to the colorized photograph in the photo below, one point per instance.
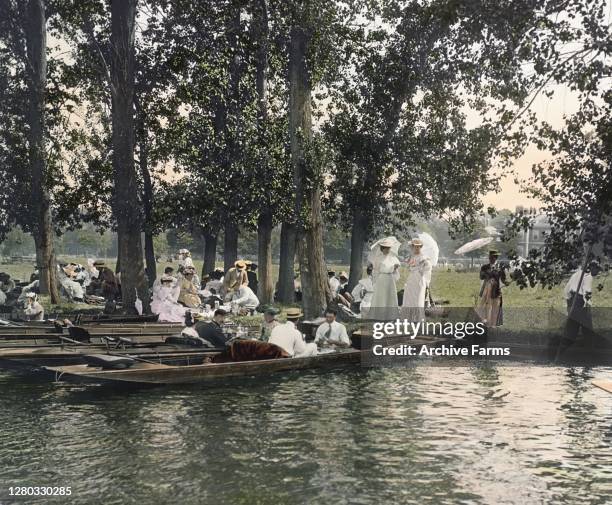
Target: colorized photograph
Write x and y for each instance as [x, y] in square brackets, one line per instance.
[286, 252]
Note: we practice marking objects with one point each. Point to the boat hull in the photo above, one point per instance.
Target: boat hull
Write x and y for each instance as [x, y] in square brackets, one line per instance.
[192, 374]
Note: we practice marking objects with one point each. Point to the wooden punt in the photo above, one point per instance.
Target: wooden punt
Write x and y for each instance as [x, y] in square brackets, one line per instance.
[21, 358]
[147, 373]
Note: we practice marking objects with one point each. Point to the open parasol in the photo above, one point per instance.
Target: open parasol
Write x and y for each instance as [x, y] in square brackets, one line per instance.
[430, 248]
[375, 252]
[474, 244]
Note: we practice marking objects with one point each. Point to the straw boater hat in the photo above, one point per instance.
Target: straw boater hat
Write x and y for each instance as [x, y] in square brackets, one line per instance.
[343, 275]
[293, 313]
[416, 242]
[99, 263]
[494, 252]
[167, 278]
[240, 264]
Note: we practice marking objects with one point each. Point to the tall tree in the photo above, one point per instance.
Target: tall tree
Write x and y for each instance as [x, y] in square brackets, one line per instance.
[24, 31]
[126, 205]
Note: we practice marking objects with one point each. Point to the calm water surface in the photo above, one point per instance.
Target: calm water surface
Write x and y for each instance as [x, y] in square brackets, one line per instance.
[480, 434]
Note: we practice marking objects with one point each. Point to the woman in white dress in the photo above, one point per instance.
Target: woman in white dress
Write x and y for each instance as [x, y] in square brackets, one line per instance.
[164, 303]
[385, 274]
[415, 288]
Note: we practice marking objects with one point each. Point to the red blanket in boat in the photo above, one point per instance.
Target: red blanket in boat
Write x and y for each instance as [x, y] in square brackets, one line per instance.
[250, 350]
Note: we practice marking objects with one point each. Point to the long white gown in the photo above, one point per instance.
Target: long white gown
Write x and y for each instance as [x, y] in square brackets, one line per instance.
[384, 306]
[165, 304]
[415, 288]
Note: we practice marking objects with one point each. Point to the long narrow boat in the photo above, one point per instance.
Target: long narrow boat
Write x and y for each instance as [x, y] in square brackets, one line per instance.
[60, 355]
[148, 373]
[27, 359]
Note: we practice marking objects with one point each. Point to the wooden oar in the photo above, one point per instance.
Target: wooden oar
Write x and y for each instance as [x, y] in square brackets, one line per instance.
[606, 385]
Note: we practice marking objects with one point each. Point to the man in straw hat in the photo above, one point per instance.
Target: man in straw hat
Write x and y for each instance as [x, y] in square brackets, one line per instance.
[290, 339]
[415, 288]
[490, 304]
[234, 278]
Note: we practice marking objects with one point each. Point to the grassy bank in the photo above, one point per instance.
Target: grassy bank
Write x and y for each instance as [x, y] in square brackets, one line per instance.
[460, 288]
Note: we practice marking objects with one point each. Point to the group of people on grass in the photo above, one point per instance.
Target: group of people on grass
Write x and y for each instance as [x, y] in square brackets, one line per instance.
[176, 294]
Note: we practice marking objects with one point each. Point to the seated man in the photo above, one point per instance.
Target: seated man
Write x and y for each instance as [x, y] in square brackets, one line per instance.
[211, 332]
[331, 332]
[33, 310]
[245, 299]
[288, 337]
[189, 291]
[106, 283]
[270, 322]
[234, 278]
[343, 295]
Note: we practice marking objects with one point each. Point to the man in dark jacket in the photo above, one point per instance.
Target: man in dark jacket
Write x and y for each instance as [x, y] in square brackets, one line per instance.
[211, 330]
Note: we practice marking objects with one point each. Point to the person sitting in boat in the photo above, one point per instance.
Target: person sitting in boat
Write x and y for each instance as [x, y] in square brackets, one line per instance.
[332, 333]
[245, 299]
[188, 290]
[165, 301]
[270, 322]
[211, 332]
[33, 310]
[289, 338]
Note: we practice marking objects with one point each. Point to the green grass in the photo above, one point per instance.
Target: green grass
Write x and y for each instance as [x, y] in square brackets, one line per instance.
[459, 288]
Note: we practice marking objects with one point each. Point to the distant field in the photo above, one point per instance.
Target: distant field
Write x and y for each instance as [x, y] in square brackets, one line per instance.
[459, 288]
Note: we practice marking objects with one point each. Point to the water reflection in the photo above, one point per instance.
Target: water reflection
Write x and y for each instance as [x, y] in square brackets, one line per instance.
[421, 434]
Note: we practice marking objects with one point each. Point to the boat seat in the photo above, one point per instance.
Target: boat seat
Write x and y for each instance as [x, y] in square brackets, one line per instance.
[107, 362]
[118, 341]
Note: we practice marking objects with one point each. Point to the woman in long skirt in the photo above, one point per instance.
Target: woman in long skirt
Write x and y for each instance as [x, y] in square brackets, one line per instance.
[385, 275]
[415, 288]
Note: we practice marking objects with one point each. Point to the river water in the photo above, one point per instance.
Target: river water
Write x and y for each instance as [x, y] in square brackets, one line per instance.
[485, 433]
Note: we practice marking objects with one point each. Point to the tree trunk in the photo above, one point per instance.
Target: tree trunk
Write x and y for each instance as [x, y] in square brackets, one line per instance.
[36, 65]
[286, 289]
[210, 253]
[265, 221]
[315, 288]
[147, 196]
[264, 258]
[126, 206]
[230, 245]
[359, 236]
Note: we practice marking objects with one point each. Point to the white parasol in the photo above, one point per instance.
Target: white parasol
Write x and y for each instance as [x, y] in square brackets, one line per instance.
[474, 244]
[375, 252]
[430, 248]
